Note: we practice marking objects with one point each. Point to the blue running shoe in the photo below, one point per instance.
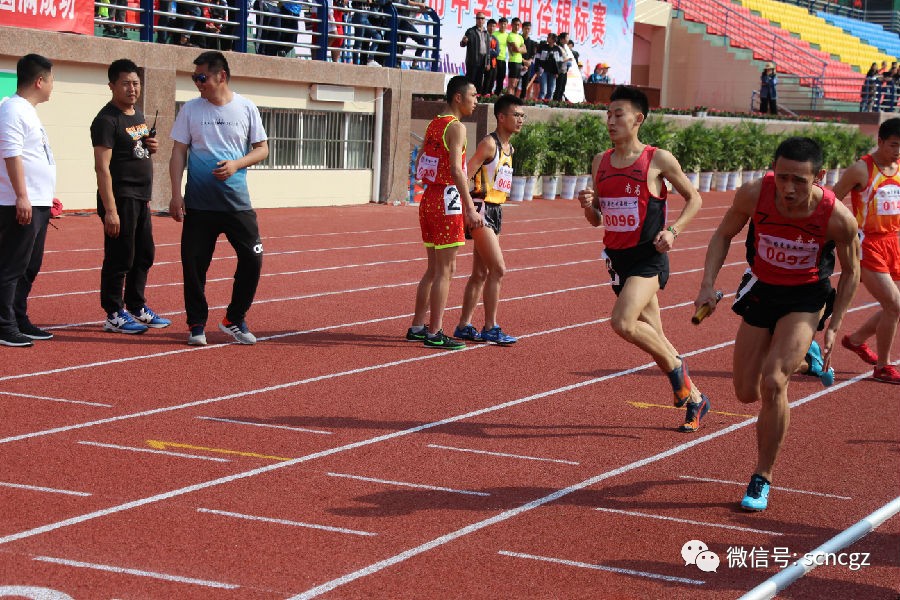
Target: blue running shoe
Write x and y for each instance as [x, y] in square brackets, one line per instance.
[467, 333]
[496, 336]
[150, 318]
[122, 322]
[757, 496]
[681, 384]
[694, 414]
[816, 362]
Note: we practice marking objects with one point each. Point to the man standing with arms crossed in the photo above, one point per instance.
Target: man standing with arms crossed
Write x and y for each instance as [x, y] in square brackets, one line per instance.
[785, 296]
[123, 144]
[445, 211]
[874, 181]
[492, 166]
[225, 135]
[27, 183]
[630, 202]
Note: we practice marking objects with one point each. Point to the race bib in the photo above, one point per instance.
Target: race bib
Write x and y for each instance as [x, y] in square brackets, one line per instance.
[788, 254]
[503, 179]
[452, 201]
[887, 201]
[427, 170]
[620, 214]
[479, 206]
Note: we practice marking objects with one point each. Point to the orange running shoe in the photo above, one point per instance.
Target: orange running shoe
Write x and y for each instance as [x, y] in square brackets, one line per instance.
[863, 351]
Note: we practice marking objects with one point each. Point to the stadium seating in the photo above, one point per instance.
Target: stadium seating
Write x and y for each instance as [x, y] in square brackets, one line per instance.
[874, 35]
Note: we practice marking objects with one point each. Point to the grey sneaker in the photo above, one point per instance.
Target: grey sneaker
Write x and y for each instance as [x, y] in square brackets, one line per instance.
[238, 331]
[197, 336]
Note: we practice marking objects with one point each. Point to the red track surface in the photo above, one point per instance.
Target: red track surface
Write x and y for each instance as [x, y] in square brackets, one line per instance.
[349, 397]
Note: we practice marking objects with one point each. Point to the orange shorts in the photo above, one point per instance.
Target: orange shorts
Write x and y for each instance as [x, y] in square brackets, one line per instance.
[881, 253]
[441, 217]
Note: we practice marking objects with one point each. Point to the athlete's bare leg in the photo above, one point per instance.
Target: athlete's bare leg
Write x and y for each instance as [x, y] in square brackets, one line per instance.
[487, 246]
[887, 293]
[636, 296]
[423, 291]
[651, 316]
[474, 286]
[444, 267]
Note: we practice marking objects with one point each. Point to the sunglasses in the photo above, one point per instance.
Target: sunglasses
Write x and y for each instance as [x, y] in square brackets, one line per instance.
[200, 77]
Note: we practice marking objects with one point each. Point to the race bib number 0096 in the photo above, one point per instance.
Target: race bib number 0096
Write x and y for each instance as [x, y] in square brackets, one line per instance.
[620, 214]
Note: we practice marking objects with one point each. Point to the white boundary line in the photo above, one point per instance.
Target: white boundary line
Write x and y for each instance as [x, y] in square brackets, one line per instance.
[151, 451]
[514, 512]
[783, 489]
[633, 513]
[287, 427]
[33, 397]
[225, 513]
[36, 488]
[126, 571]
[619, 570]
[504, 454]
[420, 486]
[798, 569]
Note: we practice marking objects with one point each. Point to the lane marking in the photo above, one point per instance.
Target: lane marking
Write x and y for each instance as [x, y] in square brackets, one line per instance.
[36, 488]
[504, 454]
[774, 487]
[32, 396]
[513, 512]
[161, 445]
[288, 427]
[669, 406]
[583, 565]
[225, 513]
[148, 451]
[420, 486]
[687, 521]
[139, 573]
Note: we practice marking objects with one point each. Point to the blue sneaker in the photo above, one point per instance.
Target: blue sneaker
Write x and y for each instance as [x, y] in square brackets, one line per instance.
[496, 336]
[816, 362]
[467, 333]
[694, 414]
[150, 318]
[122, 322]
[757, 496]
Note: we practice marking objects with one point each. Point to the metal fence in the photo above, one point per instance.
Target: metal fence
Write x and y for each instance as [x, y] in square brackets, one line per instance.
[377, 32]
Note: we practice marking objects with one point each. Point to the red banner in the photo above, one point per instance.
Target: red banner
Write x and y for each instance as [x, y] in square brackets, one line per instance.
[76, 16]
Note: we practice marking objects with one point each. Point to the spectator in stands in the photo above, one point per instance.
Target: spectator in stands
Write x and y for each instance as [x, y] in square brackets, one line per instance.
[768, 94]
[565, 61]
[475, 41]
[515, 46]
[529, 62]
[575, 54]
[493, 52]
[362, 28]
[887, 91]
[335, 28]
[408, 9]
[600, 74]
[188, 22]
[869, 88]
[548, 59]
[502, 36]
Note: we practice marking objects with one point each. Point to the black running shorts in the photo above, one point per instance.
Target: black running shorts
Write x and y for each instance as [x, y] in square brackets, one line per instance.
[640, 261]
[492, 214]
[762, 304]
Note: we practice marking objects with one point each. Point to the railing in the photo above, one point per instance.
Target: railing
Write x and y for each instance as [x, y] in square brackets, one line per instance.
[272, 27]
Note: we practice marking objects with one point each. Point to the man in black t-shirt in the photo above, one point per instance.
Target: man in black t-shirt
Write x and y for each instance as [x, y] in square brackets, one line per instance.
[123, 144]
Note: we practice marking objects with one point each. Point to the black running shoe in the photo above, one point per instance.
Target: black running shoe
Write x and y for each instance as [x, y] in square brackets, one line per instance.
[27, 329]
[416, 336]
[441, 341]
[15, 339]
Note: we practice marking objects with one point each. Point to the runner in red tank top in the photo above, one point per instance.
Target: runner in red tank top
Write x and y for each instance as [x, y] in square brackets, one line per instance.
[630, 202]
[875, 183]
[796, 227]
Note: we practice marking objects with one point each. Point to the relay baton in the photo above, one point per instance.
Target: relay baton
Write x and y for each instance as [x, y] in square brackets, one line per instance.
[704, 310]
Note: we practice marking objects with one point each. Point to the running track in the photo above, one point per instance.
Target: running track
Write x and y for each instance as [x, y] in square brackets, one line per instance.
[334, 459]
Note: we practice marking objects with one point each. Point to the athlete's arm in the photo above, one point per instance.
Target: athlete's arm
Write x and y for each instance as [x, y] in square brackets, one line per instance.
[588, 198]
[668, 168]
[456, 139]
[484, 153]
[842, 229]
[854, 178]
[740, 211]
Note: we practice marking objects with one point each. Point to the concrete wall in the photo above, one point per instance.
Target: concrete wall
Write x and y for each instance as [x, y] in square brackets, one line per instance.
[80, 90]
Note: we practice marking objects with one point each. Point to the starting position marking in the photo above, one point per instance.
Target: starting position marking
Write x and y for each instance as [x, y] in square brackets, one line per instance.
[575, 563]
[687, 521]
[410, 485]
[147, 450]
[237, 422]
[669, 406]
[284, 522]
[783, 489]
[126, 571]
[36, 488]
[161, 445]
[505, 455]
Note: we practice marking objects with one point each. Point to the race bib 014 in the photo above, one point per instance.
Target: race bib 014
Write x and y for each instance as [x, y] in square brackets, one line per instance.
[887, 201]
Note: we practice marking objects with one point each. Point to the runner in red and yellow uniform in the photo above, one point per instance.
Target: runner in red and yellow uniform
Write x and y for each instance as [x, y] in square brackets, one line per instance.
[874, 181]
[445, 211]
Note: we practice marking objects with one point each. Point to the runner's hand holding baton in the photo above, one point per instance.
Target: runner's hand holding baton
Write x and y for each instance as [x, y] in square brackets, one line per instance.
[705, 309]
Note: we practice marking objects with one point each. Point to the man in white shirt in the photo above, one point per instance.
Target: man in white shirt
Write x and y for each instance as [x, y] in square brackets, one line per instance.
[27, 183]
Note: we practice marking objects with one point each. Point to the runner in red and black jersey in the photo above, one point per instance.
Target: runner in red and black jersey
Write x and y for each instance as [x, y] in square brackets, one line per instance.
[630, 202]
[796, 229]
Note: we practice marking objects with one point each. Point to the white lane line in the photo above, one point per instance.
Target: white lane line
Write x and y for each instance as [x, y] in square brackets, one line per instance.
[100, 404]
[151, 451]
[504, 454]
[127, 571]
[621, 571]
[238, 422]
[420, 486]
[514, 512]
[783, 489]
[330, 528]
[35, 488]
[687, 521]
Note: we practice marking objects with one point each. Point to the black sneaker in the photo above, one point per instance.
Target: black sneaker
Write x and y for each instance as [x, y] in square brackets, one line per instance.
[439, 340]
[15, 339]
[27, 329]
[417, 336]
